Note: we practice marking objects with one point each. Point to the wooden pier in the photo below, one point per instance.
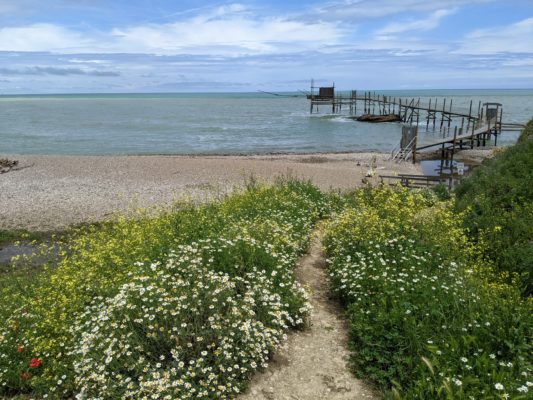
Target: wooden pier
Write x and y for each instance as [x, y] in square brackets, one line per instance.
[451, 128]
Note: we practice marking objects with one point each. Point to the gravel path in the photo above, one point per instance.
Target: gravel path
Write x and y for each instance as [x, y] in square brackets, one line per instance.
[313, 363]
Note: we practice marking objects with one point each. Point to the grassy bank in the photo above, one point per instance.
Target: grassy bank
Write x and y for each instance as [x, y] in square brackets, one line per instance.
[498, 204]
[185, 305]
[425, 323]
[438, 293]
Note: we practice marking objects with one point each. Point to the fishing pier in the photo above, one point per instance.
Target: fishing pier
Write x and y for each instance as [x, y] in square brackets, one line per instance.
[447, 129]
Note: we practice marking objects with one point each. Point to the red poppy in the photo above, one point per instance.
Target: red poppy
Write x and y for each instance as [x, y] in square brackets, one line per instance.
[24, 375]
[35, 362]
[20, 349]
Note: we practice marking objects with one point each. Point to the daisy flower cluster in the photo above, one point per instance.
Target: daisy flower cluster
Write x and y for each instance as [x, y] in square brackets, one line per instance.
[193, 327]
[423, 323]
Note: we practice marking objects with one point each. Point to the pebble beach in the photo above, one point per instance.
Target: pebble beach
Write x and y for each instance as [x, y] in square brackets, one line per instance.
[49, 193]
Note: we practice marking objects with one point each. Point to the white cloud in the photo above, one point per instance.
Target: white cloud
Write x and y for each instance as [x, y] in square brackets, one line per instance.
[230, 9]
[228, 35]
[57, 71]
[526, 62]
[40, 37]
[227, 30]
[86, 61]
[360, 10]
[236, 43]
[515, 38]
[426, 24]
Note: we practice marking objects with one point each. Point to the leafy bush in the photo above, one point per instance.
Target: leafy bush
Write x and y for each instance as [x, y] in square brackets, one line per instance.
[527, 133]
[498, 201]
[193, 327]
[424, 324]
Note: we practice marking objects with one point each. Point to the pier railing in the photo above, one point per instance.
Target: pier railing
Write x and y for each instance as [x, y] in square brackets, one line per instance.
[403, 153]
[418, 181]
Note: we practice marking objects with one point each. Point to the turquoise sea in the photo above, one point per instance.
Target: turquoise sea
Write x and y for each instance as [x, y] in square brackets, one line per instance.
[207, 123]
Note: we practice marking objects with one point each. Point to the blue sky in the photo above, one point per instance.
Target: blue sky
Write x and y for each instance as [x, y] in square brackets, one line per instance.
[61, 46]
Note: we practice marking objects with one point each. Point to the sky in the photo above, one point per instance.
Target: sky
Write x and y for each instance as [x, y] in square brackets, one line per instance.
[121, 46]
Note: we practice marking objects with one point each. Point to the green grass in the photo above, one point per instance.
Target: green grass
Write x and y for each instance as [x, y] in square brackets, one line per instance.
[21, 269]
[18, 235]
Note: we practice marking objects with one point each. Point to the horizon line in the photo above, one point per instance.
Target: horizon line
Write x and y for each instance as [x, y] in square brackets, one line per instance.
[243, 92]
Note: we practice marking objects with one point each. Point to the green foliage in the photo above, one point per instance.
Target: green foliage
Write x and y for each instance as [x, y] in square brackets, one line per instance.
[16, 235]
[424, 323]
[132, 307]
[498, 203]
[527, 133]
[442, 192]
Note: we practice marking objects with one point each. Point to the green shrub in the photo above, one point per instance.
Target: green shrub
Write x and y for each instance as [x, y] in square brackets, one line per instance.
[498, 203]
[193, 327]
[527, 133]
[424, 323]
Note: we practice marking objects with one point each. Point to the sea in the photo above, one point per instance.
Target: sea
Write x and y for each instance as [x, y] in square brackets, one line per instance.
[215, 123]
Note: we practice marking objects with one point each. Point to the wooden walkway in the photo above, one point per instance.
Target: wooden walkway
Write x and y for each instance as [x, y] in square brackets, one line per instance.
[480, 135]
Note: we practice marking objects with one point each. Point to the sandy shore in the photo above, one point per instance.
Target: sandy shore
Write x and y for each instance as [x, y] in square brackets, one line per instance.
[52, 192]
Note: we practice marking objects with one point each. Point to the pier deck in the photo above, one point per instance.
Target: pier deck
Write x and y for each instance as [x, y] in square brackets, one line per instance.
[476, 135]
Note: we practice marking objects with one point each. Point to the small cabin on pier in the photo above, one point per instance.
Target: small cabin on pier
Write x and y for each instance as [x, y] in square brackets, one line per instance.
[326, 96]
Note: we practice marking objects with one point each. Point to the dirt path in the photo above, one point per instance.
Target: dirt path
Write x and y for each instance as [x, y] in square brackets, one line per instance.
[312, 364]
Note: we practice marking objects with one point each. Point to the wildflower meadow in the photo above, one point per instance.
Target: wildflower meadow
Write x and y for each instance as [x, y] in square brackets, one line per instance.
[185, 304]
